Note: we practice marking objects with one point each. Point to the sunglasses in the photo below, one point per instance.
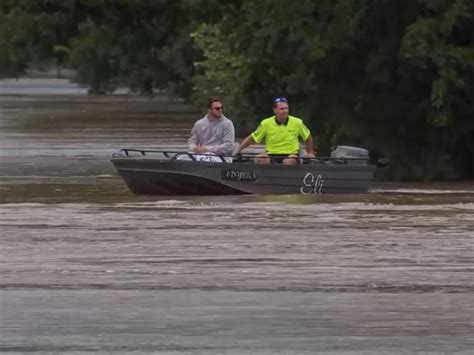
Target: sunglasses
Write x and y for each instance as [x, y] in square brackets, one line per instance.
[280, 99]
[218, 108]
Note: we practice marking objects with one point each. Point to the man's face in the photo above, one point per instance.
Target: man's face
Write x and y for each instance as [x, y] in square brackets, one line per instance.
[281, 111]
[216, 109]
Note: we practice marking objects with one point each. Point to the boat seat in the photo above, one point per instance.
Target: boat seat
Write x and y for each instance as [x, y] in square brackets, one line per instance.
[203, 157]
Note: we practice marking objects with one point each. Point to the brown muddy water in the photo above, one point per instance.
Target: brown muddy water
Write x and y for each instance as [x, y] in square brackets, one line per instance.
[88, 267]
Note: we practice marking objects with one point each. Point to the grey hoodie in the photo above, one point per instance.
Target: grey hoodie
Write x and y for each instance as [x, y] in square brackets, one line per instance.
[217, 135]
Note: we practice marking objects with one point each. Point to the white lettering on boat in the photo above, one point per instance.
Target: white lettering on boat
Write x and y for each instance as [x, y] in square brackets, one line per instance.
[239, 175]
[312, 184]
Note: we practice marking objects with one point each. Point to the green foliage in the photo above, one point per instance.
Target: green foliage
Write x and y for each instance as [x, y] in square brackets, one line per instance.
[223, 68]
[14, 43]
[96, 56]
[136, 43]
[429, 44]
[393, 76]
[29, 30]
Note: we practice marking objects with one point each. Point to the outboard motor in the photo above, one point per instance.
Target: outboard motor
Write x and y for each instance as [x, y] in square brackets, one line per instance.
[350, 155]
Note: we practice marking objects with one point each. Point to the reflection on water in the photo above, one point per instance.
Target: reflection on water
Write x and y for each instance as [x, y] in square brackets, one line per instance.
[40, 86]
[86, 266]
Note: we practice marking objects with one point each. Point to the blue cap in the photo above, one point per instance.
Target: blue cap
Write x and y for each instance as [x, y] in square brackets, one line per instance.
[280, 99]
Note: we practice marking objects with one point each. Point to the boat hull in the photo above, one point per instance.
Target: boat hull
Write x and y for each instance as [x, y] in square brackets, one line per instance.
[148, 176]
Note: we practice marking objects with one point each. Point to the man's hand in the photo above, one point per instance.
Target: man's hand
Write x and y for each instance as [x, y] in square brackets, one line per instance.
[200, 149]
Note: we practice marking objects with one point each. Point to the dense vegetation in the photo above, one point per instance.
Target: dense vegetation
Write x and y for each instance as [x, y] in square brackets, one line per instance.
[395, 76]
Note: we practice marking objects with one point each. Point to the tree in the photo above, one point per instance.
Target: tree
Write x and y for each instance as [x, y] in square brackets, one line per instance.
[137, 43]
[393, 76]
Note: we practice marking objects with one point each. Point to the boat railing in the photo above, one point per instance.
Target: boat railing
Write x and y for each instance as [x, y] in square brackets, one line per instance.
[238, 158]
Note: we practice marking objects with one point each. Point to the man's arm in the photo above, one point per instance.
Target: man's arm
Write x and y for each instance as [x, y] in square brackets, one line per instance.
[193, 139]
[309, 147]
[245, 143]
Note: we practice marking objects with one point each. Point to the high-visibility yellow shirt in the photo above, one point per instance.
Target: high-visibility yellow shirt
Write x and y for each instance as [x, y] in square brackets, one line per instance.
[281, 138]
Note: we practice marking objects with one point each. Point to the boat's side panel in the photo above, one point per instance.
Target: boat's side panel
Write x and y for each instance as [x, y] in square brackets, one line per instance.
[169, 183]
[160, 177]
[309, 178]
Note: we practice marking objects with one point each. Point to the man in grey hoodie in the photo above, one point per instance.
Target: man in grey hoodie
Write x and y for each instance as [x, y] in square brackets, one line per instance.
[214, 133]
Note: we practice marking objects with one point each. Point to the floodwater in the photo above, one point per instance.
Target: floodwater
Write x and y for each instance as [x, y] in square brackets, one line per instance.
[88, 267]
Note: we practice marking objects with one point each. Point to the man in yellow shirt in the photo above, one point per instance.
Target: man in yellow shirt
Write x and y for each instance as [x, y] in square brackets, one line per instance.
[281, 134]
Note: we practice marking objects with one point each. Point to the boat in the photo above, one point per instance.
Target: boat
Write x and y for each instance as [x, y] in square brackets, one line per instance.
[158, 172]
